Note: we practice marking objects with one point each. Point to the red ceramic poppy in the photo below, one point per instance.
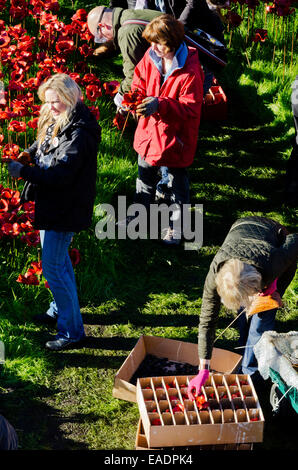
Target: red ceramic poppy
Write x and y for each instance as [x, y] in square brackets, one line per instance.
[17, 126]
[65, 47]
[28, 279]
[33, 123]
[260, 35]
[3, 205]
[93, 92]
[156, 422]
[4, 39]
[31, 238]
[131, 100]
[90, 79]
[233, 18]
[95, 111]
[80, 15]
[119, 121]
[111, 88]
[75, 256]
[36, 268]
[85, 50]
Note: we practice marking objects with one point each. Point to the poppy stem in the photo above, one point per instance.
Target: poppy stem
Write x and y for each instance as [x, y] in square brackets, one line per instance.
[126, 119]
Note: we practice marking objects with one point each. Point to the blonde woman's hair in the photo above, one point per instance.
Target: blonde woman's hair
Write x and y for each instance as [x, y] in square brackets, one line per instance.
[69, 93]
[236, 283]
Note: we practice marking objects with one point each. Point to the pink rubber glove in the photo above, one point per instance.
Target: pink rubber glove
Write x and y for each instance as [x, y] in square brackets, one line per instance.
[270, 289]
[196, 383]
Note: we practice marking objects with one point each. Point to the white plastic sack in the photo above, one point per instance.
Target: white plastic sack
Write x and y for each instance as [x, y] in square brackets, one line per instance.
[278, 351]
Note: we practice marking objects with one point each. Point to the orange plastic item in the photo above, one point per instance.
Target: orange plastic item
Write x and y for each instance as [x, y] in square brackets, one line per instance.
[264, 303]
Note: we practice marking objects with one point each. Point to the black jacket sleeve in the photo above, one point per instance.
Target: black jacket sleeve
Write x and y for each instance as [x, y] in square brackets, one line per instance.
[69, 161]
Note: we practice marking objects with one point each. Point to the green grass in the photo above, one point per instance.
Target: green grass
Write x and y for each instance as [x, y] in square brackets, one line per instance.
[126, 288]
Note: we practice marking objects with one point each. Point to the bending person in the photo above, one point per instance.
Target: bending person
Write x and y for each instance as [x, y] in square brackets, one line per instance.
[257, 257]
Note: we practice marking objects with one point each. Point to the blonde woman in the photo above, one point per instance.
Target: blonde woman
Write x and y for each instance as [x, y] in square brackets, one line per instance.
[62, 184]
[258, 256]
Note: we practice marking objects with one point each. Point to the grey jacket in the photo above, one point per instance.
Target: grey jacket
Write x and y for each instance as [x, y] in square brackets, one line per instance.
[260, 242]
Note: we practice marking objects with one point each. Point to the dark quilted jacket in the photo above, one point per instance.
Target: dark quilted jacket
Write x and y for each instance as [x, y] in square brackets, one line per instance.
[260, 242]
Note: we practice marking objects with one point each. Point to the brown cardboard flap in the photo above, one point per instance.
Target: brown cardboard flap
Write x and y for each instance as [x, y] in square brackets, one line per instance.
[181, 351]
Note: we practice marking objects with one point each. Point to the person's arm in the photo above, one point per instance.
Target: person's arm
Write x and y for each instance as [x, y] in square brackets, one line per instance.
[133, 47]
[208, 317]
[188, 11]
[71, 159]
[284, 262]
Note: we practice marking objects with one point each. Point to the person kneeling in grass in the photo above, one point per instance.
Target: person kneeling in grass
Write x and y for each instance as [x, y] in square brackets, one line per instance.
[62, 182]
[169, 82]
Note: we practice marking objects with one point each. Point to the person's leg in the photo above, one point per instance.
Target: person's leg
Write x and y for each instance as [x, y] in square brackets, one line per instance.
[179, 195]
[146, 183]
[58, 271]
[260, 322]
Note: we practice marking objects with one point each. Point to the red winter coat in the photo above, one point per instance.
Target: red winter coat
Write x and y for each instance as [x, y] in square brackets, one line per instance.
[169, 137]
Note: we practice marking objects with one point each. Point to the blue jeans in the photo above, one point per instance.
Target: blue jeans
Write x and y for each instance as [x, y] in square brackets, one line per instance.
[58, 271]
[178, 187]
[251, 331]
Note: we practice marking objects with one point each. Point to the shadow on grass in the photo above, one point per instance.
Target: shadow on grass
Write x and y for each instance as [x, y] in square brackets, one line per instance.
[37, 424]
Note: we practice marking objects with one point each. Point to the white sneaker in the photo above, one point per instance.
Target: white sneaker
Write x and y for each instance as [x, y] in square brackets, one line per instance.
[172, 237]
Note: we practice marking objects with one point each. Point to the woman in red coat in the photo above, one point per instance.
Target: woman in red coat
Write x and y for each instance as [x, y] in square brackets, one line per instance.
[169, 79]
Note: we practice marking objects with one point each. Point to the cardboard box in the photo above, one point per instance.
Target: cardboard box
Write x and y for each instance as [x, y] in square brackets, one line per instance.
[142, 444]
[180, 351]
[231, 414]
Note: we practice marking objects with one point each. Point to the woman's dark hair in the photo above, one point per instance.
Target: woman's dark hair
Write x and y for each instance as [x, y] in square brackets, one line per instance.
[165, 30]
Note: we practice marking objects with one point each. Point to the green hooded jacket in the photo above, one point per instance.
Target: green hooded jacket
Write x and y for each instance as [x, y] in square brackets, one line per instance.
[260, 242]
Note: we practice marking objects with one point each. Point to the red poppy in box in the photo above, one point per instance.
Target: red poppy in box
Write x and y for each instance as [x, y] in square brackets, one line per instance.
[111, 88]
[156, 422]
[201, 402]
[93, 92]
[65, 47]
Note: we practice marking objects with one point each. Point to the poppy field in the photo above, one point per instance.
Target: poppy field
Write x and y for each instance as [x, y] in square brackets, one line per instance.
[128, 288]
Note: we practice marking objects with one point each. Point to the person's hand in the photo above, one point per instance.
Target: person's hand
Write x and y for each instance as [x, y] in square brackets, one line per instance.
[14, 168]
[194, 386]
[24, 158]
[148, 106]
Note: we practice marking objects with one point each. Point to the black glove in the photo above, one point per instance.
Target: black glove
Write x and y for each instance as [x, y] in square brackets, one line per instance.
[148, 106]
